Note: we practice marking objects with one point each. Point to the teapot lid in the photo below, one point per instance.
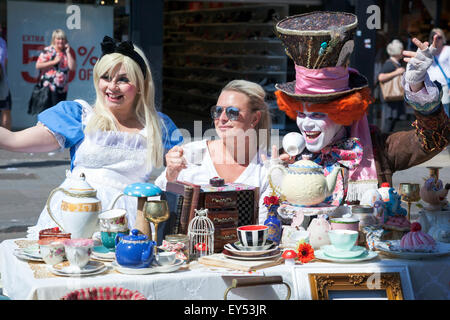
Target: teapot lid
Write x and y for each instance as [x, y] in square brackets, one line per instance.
[306, 165]
[135, 236]
[80, 185]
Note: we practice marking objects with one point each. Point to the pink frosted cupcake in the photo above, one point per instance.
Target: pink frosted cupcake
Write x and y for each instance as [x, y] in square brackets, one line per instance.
[416, 240]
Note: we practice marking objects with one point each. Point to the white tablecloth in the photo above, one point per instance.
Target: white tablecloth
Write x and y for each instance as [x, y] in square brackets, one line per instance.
[430, 280]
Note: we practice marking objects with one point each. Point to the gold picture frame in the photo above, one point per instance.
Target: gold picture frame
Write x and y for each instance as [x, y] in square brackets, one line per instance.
[355, 285]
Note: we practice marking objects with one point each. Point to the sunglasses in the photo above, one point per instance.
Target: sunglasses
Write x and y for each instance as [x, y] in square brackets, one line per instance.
[232, 113]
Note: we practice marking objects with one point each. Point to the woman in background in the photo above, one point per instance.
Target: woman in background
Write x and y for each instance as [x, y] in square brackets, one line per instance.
[54, 63]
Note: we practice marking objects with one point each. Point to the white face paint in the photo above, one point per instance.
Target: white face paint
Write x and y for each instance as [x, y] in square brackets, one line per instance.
[317, 129]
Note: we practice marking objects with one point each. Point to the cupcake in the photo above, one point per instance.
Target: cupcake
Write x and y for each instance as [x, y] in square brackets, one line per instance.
[416, 240]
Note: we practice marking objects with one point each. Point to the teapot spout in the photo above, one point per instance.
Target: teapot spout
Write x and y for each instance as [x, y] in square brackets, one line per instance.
[331, 180]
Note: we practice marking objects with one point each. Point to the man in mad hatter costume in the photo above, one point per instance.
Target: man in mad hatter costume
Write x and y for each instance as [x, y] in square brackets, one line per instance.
[329, 102]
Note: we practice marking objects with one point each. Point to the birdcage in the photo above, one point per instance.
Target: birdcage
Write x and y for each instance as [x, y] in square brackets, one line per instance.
[201, 235]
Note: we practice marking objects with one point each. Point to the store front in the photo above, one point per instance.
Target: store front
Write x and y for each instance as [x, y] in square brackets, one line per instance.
[28, 27]
[191, 43]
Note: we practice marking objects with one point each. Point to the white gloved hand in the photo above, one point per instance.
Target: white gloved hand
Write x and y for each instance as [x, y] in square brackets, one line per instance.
[417, 67]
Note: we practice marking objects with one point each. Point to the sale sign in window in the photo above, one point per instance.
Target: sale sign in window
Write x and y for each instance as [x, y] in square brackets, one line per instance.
[30, 28]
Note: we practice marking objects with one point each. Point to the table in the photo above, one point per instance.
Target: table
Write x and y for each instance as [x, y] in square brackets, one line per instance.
[21, 280]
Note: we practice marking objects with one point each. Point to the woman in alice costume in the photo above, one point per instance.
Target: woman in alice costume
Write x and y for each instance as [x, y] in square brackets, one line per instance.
[242, 123]
[329, 102]
[115, 142]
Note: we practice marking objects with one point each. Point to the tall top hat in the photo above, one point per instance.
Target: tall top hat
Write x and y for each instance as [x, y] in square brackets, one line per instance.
[320, 44]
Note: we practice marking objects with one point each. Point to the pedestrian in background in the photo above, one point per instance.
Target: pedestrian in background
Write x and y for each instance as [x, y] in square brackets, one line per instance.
[440, 69]
[54, 63]
[392, 110]
[5, 94]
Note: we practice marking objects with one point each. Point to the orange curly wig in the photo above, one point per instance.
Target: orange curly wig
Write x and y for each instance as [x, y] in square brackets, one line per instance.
[343, 111]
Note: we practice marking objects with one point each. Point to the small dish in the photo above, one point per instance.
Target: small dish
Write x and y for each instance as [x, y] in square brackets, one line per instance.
[59, 273]
[103, 252]
[233, 250]
[32, 251]
[91, 267]
[272, 255]
[354, 252]
[267, 246]
[369, 255]
[153, 269]
[442, 249]
[21, 255]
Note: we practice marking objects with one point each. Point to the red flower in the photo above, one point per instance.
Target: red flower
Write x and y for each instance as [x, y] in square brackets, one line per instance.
[271, 201]
[305, 252]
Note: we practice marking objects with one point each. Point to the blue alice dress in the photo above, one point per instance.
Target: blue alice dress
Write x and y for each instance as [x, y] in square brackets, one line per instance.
[110, 160]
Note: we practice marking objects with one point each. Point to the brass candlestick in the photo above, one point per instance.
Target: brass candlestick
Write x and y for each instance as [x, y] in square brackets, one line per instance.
[410, 193]
[156, 211]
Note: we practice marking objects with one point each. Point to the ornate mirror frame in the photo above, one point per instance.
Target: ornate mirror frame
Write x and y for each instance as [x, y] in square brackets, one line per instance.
[323, 283]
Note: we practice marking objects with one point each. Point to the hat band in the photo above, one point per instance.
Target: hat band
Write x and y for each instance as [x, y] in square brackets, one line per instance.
[321, 81]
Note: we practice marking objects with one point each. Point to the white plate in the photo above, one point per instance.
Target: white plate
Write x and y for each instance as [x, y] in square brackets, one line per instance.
[58, 273]
[153, 269]
[369, 255]
[238, 246]
[442, 249]
[32, 251]
[19, 254]
[91, 267]
[95, 257]
[272, 255]
[241, 253]
[102, 252]
[331, 251]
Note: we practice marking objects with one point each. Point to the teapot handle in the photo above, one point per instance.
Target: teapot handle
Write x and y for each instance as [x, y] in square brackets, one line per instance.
[269, 175]
[48, 206]
[115, 200]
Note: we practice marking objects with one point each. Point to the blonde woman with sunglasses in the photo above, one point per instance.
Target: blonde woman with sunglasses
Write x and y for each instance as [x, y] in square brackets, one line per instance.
[242, 133]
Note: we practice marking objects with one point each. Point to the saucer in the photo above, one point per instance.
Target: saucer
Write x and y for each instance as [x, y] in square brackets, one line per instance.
[23, 256]
[103, 252]
[267, 246]
[368, 255]
[32, 251]
[233, 250]
[153, 269]
[92, 268]
[271, 255]
[354, 252]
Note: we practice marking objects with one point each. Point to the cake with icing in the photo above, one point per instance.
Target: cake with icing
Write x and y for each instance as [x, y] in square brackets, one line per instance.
[53, 233]
[416, 240]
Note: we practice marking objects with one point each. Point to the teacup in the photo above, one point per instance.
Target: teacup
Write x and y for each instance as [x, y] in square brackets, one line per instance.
[52, 250]
[113, 220]
[166, 257]
[109, 238]
[78, 252]
[293, 143]
[253, 235]
[343, 239]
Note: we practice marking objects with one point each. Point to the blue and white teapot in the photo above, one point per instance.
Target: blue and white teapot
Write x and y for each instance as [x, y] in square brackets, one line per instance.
[135, 250]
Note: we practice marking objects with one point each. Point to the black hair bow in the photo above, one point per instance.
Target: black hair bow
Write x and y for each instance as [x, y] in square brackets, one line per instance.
[126, 48]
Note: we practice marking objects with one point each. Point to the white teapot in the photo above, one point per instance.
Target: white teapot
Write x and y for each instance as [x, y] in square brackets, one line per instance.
[79, 208]
[304, 182]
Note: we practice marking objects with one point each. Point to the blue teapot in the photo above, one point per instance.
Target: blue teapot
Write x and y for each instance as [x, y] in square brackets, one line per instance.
[135, 250]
